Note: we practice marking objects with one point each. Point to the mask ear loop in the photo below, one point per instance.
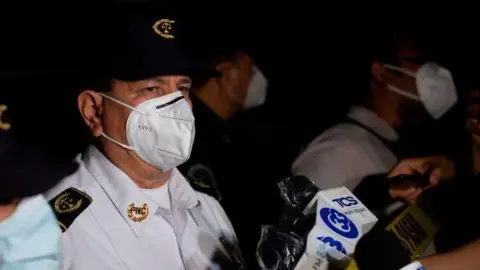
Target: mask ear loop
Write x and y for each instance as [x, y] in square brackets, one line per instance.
[403, 93]
[398, 90]
[121, 103]
[402, 70]
[128, 147]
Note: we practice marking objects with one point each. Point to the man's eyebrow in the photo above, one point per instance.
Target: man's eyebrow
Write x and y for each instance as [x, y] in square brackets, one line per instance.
[185, 80]
[181, 81]
[416, 59]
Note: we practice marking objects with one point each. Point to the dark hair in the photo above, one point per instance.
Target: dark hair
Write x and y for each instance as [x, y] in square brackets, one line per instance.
[6, 200]
[382, 47]
[214, 49]
[97, 82]
[102, 84]
[218, 54]
[218, 38]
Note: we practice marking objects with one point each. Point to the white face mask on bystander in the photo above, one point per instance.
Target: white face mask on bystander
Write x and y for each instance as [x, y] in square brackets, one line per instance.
[435, 86]
[257, 90]
[30, 238]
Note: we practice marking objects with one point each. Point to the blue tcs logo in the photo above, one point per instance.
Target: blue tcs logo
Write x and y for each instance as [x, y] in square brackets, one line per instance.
[345, 201]
[333, 243]
[339, 223]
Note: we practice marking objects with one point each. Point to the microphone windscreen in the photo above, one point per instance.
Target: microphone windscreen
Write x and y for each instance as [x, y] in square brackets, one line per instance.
[278, 249]
[297, 191]
[380, 249]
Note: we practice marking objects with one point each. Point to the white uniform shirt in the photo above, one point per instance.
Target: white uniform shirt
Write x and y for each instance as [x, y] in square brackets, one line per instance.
[346, 153]
[104, 237]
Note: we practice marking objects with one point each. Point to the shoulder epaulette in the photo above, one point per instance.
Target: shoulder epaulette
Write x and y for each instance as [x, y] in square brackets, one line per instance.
[204, 187]
[68, 205]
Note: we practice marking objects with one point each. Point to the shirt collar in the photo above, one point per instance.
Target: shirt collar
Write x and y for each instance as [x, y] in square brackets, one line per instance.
[122, 191]
[373, 121]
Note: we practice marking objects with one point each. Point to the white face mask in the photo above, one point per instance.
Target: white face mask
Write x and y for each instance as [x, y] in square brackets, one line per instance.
[161, 130]
[435, 86]
[257, 90]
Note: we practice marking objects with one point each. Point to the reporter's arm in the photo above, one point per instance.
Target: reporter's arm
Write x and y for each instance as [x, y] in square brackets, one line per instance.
[464, 258]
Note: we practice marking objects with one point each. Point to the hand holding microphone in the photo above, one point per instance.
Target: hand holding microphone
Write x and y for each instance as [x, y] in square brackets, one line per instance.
[432, 170]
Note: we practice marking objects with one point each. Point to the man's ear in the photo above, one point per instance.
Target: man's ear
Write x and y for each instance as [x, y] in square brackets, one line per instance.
[380, 72]
[228, 70]
[89, 104]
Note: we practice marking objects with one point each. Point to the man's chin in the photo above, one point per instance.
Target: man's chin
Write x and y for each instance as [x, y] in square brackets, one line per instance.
[412, 127]
[419, 122]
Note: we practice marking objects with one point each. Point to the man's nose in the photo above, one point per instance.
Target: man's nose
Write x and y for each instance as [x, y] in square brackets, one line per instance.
[171, 84]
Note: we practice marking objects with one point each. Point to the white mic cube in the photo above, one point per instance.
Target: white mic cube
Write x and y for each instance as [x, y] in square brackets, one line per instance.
[351, 208]
[322, 243]
[311, 263]
[321, 240]
[341, 220]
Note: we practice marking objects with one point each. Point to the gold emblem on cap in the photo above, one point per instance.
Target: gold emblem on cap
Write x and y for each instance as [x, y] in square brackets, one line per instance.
[137, 214]
[66, 204]
[4, 125]
[164, 28]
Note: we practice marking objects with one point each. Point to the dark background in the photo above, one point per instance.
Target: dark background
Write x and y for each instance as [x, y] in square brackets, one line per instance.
[314, 59]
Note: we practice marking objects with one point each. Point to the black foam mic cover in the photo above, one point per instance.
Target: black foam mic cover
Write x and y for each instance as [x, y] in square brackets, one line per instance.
[380, 249]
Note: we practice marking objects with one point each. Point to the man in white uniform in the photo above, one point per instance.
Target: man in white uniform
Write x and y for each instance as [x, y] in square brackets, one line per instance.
[403, 91]
[127, 206]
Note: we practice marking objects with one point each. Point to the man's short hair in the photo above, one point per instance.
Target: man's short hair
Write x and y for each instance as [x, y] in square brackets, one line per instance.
[99, 83]
[381, 46]
[217, 39]
[384, 46]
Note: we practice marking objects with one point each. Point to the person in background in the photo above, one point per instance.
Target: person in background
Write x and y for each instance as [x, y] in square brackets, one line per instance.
[404, 91]
[227, 160]
[128, 207]
[29, 233]
[241, 86]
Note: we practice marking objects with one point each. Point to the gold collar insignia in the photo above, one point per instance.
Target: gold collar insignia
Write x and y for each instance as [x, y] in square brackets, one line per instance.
[137, 214]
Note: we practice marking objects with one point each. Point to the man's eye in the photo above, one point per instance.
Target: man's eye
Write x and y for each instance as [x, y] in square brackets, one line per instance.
[152, 89]
[184, 88]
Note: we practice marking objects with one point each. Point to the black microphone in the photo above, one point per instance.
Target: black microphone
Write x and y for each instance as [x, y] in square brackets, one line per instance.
[298, 194]
[398, 240]
[297, 191]
[282, 244]
[380, 249]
